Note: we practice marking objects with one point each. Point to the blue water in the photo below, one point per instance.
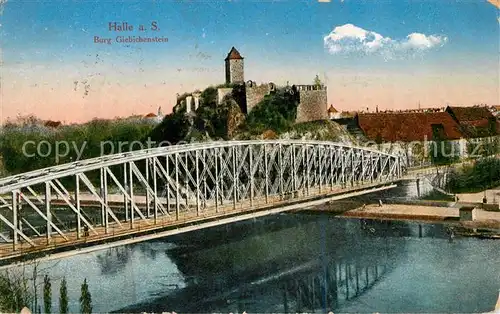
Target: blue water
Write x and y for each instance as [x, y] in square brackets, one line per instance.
[290, 262]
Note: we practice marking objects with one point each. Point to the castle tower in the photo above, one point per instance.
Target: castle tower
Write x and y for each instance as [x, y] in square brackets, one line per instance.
[234, 67]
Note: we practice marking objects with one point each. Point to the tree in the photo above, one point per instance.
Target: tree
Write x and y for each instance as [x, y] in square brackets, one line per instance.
[317, 81]
[63, 297]
[14, 292]
[275, 112]
[85, 299]
[173, 128]
[209, 97]
[483, 174]
[35, 289]
[47, 294]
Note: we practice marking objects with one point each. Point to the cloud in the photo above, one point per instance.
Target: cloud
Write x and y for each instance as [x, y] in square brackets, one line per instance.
[349, 39]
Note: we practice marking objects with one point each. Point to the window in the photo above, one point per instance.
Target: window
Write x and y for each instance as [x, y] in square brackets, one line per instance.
[438, 131]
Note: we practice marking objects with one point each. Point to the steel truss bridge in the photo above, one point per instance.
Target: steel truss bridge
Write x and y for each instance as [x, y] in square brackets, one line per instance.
[113, 197]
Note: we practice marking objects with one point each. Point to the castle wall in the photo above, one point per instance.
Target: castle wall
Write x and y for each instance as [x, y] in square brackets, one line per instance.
[255, 94]
[228, 72]
[313, 104]
[189, 101]
[235, 71]
[221, 93]
[196, 99]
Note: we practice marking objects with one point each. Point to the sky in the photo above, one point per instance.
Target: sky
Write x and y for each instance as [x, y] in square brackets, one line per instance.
[391, 54]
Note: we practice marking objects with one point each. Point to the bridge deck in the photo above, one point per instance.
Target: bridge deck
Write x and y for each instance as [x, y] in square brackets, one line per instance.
[141, 227]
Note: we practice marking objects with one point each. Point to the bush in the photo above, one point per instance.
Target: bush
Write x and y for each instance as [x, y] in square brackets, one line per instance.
[88, 136]
[173, 128]
[14, 292]
[276, 112]
[484, 174]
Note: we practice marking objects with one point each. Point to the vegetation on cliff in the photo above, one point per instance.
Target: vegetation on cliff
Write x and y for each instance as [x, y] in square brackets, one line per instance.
[273, 117]
[210, 121]
[276, 112]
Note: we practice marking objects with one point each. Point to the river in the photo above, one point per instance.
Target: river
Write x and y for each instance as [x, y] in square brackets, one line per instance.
[289, 263]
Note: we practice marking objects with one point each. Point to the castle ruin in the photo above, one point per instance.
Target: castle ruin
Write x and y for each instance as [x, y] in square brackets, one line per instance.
[192, 102]
[312, 98]
[313, 103]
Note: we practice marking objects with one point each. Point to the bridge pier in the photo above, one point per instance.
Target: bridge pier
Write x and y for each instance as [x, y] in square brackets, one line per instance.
[131, 192]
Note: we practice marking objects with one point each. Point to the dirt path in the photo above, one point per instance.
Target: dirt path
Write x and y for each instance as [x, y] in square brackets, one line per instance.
[492, 196]
[484, 219]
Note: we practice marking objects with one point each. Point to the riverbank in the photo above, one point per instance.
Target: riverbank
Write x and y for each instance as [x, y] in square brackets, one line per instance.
[487, 223]
[492, 195]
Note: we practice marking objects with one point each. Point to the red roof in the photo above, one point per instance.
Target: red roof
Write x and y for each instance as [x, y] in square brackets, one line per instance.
[407, 127]
[233, 54]
[150, 115]
[475, 121]
[52, 124]
[332, 109]
[464, 114]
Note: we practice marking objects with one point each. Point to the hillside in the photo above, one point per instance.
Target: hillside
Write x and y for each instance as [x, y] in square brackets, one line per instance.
[272, 118]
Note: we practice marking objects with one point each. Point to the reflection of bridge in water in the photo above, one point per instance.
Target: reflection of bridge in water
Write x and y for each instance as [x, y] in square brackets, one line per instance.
[327, 263]
[332, 281]
[339, 282]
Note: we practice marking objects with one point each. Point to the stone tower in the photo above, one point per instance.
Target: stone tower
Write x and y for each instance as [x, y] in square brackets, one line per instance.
[234, 67]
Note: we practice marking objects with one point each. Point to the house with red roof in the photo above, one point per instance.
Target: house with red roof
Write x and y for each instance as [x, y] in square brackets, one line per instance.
[476, 121]
[333, 113]
[52, 124]
[409, 126]
[156, 118]
[412, 133]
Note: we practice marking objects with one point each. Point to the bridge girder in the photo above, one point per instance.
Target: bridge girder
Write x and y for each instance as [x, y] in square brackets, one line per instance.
[142, 189]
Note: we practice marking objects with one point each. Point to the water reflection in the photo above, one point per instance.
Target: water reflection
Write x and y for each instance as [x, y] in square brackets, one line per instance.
[114, 260]
[290, 263]
[296, 265]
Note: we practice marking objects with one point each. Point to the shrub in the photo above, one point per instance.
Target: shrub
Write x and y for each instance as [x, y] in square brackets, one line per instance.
[484, 174]
[276, 112]
[88, 136]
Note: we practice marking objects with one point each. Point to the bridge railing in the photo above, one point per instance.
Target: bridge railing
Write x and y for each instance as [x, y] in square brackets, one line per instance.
[141, 189]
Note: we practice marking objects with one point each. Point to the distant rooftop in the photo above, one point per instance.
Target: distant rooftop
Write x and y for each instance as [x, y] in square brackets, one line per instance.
[476, 121]
[332, 109]
[408, 126]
